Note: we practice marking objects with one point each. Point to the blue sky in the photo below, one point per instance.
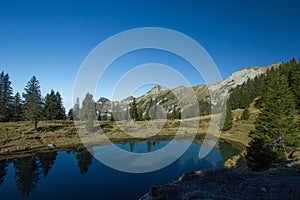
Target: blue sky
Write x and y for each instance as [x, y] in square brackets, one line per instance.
[50, 39]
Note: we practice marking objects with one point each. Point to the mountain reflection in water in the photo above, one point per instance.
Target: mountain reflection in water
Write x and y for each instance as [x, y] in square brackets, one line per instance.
[77, 174]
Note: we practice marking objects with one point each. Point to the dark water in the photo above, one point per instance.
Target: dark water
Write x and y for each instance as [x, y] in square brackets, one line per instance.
[77, 175]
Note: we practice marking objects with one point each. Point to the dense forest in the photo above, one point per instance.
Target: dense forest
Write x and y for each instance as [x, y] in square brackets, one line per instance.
[243, 95]
[277, 129]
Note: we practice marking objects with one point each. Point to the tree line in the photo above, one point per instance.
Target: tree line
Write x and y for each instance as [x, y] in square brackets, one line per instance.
[243, 95]
[89, 110]
[31, 105]
[277, 130]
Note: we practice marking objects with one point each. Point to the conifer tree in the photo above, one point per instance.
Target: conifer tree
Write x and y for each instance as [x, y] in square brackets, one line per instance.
[88, 112]
[295, 82]
[17, 108]
[76, 109]
[111, 118]
[6, 97]
[274, 127]
[61, 112]
[54, 109]
[134, 111]
[228, 119]
[70, 114]
[33, 103]
[245, 114]
[88, 109]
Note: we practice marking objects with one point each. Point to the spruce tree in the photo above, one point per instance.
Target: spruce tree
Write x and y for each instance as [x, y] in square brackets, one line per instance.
[88, 109]
[245, 114]
[61, 112]
[295, 82]
[70, 114]
[112, 119]
[134, 111]
[17, 108]
[261, 152]
[6, 97]
[76, 109]
[275, 125]
[54, 109]
[33, 104]
[50, 106]
[88, 112]
[228, 119]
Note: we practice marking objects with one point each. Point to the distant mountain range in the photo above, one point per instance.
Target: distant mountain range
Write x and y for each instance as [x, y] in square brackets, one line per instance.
[165, 96]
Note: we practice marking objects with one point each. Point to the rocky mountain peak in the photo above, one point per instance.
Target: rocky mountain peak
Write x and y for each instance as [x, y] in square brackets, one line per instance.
[103, 100]
[155, 90]
[218, 90]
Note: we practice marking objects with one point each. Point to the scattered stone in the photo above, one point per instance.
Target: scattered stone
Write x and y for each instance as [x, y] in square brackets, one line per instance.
[51, 146]
[263, 189]
[289, 163]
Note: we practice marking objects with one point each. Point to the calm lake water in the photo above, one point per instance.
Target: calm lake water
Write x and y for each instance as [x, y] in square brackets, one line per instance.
[78, 175]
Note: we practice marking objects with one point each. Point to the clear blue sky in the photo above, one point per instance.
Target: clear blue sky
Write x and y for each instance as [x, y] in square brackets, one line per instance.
[50, 39]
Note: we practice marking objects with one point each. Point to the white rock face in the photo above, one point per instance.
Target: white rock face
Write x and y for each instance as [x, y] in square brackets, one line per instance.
[219, 90]
[222, 88]
[154, 91]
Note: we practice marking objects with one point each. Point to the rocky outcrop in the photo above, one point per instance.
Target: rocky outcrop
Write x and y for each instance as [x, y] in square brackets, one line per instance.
[280, 183]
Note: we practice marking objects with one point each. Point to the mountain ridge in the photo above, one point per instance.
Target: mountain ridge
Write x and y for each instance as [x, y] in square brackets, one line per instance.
[165, 96]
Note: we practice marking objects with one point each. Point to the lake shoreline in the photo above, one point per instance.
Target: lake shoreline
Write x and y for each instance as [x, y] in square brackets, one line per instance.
[17, 138]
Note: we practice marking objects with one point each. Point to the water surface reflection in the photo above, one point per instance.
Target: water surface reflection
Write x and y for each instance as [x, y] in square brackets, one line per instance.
[76, 174]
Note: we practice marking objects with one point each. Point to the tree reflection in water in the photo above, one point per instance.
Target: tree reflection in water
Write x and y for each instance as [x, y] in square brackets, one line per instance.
[84, 160]
[27, 174]
[3, 170]
[32, 170]
[46, 161]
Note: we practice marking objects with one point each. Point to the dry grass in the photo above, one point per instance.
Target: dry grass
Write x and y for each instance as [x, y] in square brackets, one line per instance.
[20, 136]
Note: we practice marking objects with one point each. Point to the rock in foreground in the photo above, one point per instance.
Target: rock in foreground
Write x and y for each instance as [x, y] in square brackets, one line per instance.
[283, 183]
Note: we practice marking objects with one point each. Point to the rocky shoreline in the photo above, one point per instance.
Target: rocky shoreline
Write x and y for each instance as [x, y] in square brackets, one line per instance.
[234, 181]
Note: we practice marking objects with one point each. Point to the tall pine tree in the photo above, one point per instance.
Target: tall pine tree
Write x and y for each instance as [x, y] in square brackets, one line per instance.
[70, 114]
[33, 104]
[245, 114]
[54, 109]
[275, 125]
[17, 108]
[228, 119]
[134, 111]
[88, 109]
[76, 109]
[6, 97]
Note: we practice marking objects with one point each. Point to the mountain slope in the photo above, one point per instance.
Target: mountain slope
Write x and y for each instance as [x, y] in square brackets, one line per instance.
[166, 97]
